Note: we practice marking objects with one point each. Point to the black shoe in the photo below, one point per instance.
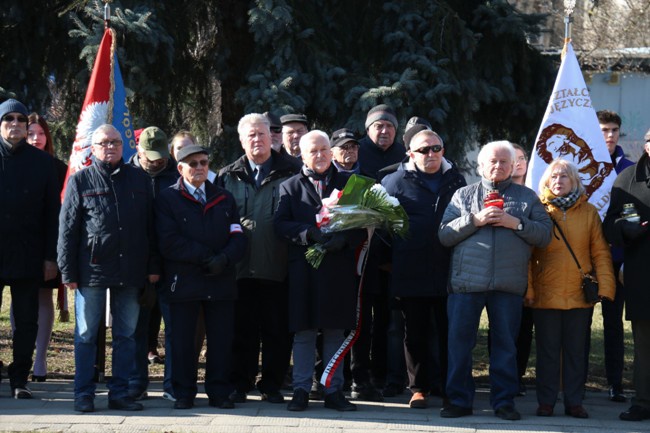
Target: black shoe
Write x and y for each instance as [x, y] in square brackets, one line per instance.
[138, 394]
[509, 413]
[317, 391]
[22, 393]
[392, 390]
[84, 404]
[453, 411]
[367, 392]
[635, 413]
[616, 394]
[576, 412]
[337, 401]
[125, 403]
[183, 403]
[238, 397]
[225, 403]
[36, 378]
[299, 402]
[272, 397]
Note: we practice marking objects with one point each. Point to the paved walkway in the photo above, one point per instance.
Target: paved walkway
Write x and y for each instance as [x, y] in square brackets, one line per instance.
[51, 411]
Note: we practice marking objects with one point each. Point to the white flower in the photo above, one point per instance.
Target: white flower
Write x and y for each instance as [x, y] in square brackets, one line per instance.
[392, 200]
[378, 189]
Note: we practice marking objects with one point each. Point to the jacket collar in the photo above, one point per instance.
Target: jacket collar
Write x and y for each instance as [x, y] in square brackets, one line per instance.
[410, 166]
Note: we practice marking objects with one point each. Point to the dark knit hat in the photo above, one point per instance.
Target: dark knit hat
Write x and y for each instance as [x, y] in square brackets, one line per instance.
[412, 132]
[381, 112]
[274, 120]
[342, 136]
[153, 141]
[190, 150]
[12, 106]
[291, 118]
[415, 120]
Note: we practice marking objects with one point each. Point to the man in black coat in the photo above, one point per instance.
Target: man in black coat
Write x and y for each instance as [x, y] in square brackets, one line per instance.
[424, 186]
[201, 241]
[632, 186]
[107, 241]
[323, 298]
[29, 204]
[153, 158]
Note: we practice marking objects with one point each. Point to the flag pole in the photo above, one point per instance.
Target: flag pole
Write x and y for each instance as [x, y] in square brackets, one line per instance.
[569, 5]
[107, 14]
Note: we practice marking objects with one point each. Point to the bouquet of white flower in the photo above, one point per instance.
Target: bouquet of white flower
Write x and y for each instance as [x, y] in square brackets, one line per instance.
[361, 204]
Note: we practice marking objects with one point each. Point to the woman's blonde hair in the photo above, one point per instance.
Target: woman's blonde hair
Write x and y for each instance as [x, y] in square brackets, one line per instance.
[571, 171]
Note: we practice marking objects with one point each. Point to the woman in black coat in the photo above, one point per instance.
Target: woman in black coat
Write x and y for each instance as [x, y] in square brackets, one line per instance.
[323, 298]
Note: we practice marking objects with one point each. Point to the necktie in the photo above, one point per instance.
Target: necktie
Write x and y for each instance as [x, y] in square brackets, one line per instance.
[199, 195]
[258, 176]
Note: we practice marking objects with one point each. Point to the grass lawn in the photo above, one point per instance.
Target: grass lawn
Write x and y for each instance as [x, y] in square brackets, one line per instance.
[61, 351]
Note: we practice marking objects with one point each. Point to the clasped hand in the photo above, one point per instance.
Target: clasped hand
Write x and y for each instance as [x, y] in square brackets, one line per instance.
[495, 217]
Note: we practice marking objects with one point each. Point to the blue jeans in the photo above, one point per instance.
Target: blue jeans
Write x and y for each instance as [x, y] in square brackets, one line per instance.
[304, 357]
[464, 311]
[89, 307]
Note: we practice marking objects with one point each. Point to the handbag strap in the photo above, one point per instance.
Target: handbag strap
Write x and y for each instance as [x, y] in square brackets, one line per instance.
[567, 244]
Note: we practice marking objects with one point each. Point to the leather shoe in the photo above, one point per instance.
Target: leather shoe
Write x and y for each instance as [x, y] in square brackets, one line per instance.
[616, 394]
[544, 410]
[576, 411]
[508, 413]
[337, 401]
[299, 402]
[635, 413]
[125, 403]
[224, 403]
[183, 403]
[273, 397]
[418, 401]
[238, 396]
[367, 392]
[84, 404]
[453, 411]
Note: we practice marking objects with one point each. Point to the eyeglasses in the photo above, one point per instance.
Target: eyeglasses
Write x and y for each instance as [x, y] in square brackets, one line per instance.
[425, 150]
[106, 143]
[21, 119]
[195, 163]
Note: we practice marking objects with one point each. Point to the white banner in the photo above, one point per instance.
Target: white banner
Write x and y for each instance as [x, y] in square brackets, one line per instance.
[570, 130]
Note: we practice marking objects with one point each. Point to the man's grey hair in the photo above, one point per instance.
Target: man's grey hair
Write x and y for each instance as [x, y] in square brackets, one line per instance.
[311, 135]
[102, 129]
[428, 133]
[493, 146]
[252, 119]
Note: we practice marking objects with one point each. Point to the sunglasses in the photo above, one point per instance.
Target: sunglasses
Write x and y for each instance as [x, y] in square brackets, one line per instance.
[195, 163]
[114, 143]
[425, 150]
[276, 129]
[10, 119]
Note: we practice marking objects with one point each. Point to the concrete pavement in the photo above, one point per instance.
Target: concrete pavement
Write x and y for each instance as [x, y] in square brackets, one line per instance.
[51, 411]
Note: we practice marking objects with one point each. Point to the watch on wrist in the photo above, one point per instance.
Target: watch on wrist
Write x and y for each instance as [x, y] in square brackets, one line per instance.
[520, 226]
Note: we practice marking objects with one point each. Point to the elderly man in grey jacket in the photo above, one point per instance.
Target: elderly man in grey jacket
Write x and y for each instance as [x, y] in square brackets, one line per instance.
[491, 226]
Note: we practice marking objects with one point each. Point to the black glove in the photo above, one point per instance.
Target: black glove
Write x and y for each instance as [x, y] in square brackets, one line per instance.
[337, 243]
[315, 236]
[629, 229]
[215, 264]
[147, 297]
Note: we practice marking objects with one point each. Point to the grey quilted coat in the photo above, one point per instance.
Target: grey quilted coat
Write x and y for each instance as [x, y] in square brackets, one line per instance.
[492, 258]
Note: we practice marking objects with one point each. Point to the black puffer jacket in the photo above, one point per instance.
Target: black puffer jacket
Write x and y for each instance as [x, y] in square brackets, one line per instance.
[106, 231]
[29, 206]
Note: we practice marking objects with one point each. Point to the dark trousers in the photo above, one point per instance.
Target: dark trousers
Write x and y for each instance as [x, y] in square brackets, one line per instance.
[369, 351]
[560, 337]
[425, 320]
[641, 335]
[613, 333]
[524, 340]
[261, 317]
[155, 318]
[24, 297]
[219, 323]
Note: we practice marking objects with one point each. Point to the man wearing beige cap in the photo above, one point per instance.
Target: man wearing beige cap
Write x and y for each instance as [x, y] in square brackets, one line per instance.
[154, 159]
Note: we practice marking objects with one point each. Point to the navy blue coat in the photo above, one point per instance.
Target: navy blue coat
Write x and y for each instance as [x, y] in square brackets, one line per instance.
[189, 233]
[323, 297]
[106, 233]
[420, 262]
[29, 207]
[372, 158]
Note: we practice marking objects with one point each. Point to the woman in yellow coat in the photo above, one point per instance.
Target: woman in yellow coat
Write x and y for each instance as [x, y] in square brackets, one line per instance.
[562, 316]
